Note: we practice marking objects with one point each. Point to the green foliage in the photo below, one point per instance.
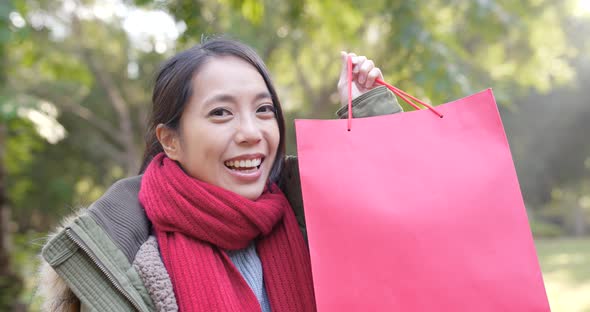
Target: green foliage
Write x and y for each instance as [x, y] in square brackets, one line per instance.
[48, 181]
[22, 144]
[26, 248]
[252, 10]
[11, 288]
[438, 50]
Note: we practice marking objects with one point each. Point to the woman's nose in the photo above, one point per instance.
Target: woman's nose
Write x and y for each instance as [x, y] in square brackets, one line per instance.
[248, 131]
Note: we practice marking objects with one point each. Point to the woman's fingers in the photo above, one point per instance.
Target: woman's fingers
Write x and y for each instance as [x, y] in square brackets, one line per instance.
[357, 62]
[364, 68]
[364, 74]
[372, 76]
[344, 71]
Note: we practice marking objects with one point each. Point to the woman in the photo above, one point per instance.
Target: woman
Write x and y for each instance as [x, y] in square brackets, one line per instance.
[205, 227]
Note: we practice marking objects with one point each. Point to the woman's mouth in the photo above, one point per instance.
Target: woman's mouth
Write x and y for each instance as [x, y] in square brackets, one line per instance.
[246, 168]
[244, 165]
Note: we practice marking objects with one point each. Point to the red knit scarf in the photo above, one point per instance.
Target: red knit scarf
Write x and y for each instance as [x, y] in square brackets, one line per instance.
[195, 222]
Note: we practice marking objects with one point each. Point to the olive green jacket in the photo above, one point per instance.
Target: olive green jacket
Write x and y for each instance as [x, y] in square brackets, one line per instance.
[88, 263]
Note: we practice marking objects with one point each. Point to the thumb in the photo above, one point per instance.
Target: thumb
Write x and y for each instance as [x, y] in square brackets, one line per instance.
[344, 70]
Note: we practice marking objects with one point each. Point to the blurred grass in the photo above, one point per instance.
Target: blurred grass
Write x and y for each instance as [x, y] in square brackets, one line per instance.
[565, 264]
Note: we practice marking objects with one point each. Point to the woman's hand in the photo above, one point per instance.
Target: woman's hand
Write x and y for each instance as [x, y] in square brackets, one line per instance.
[364, 74]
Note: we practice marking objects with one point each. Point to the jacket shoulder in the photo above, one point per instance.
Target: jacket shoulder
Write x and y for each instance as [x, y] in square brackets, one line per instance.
[118, 218]
[54, 292]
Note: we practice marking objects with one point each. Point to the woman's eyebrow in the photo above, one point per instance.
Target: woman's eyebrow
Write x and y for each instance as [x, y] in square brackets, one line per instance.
[262, 95]
[220, 98]
[228, 98]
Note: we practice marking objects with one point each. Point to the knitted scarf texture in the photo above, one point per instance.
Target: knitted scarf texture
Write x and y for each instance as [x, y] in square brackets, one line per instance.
[195, 222]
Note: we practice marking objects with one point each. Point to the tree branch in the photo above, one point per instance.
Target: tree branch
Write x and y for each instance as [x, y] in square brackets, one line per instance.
[119, 104]
[80, 111]
[307, 88]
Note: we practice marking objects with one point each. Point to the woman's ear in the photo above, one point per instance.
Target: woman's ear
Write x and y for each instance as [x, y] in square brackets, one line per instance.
[169, 139]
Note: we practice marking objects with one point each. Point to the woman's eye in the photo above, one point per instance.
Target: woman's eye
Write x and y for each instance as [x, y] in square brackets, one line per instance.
[266, 109]
[219, 112]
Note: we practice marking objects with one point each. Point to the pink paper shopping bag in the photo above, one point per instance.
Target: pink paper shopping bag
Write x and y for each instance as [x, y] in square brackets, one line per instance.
[413, 212]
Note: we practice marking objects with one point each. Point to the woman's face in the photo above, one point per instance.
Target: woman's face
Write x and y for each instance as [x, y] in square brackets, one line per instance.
[228, 134]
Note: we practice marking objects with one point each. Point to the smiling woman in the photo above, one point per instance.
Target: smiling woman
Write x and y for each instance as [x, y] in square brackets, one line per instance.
[205, 227]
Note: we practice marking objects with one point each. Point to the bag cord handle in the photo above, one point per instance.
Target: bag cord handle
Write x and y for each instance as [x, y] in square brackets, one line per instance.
[402, 94]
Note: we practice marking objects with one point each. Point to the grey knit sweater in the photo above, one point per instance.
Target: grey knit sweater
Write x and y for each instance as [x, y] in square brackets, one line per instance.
[248, 263]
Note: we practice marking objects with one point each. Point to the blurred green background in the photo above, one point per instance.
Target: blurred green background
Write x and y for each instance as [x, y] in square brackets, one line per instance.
[76, 77]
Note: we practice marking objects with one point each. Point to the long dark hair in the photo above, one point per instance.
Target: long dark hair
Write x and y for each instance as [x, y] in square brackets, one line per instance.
[173, 89]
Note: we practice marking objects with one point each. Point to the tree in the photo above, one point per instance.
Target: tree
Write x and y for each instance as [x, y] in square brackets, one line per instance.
[78, 64]
[10, 282]
[437, 50]
[547, 132]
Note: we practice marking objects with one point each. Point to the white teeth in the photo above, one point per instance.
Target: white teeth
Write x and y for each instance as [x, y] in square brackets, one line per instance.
[244, 163]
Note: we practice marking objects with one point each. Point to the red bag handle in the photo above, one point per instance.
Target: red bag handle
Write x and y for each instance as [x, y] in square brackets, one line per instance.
[402, 94]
